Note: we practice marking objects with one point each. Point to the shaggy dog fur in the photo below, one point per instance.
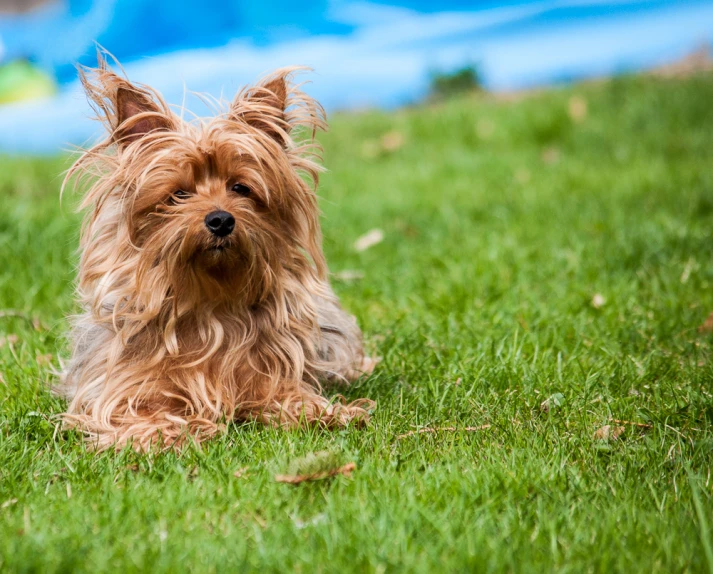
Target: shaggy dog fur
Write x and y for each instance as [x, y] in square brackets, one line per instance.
[202, 281]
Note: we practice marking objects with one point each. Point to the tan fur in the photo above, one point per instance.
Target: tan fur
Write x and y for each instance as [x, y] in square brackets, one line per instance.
[180, 330]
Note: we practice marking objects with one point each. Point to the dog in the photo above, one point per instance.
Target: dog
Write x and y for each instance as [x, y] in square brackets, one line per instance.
[202, 282]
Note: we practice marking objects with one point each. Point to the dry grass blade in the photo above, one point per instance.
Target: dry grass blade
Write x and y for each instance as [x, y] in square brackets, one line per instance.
[633, 423]
[15, 314]
[441, 429]
[345, 470]
[369, 239]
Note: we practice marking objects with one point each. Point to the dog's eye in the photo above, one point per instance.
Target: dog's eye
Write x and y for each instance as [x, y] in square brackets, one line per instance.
[241, 189]
[178, 195]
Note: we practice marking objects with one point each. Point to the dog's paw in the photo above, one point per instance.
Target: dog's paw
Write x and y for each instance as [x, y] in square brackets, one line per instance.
[364, 369]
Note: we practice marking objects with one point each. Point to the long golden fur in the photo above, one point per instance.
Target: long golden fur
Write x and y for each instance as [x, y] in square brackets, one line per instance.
[182, 330]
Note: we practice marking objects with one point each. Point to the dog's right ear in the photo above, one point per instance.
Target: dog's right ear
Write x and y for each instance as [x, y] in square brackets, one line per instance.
[129, 112]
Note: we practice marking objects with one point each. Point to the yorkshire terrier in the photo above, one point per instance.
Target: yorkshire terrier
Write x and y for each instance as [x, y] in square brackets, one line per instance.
[202, 282]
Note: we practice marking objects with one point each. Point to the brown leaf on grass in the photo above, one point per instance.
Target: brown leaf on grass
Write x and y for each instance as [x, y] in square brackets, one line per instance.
[550, 155]
[345, 470]
[9, 340]
[609, 432]
[388, 143]
[552, 402]
[707, 326]
[392, 141]
[369, 239]
[241, 472]
[441, 429]
[577, 109]
[44, 359]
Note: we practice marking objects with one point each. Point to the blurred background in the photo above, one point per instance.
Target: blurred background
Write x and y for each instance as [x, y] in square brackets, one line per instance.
[365, 54]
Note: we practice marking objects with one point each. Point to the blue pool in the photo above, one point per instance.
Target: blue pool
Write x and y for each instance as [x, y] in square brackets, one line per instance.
[364, 54]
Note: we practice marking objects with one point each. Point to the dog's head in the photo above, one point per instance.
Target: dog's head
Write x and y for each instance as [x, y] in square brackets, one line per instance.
[218, 207]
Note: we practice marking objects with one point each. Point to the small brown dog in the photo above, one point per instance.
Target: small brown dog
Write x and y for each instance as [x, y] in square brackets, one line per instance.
[202, 279]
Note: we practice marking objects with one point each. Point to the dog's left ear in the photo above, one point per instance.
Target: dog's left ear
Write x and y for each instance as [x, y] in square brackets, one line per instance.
[130, 112]
[137, 115]
[263, 107]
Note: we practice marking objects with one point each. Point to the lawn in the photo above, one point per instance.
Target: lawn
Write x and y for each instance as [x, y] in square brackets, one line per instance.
[546, 269]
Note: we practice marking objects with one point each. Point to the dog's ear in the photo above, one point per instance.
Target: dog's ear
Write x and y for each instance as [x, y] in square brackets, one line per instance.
[129, 112]
[263, 107]
[137, 115]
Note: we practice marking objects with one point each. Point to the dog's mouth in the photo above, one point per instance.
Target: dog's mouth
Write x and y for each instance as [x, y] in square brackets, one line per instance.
[218, 253]
[212, 254]
[216, 247]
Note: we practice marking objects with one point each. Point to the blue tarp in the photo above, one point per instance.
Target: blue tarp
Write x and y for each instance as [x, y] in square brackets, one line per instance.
[364, 53]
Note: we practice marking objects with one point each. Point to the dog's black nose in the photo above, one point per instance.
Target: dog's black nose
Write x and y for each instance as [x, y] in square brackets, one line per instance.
[220, 223]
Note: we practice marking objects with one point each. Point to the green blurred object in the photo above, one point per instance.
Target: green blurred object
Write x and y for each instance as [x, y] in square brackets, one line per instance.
[20, 80]
[448, 84]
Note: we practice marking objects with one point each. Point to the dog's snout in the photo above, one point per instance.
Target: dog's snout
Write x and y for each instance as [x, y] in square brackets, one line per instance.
[220, 223]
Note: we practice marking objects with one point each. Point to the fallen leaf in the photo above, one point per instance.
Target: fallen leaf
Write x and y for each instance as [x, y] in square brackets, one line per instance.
[598, 301]
[392, 141]
[240, 473]
[552, 402]
[577, 109]
[609, 432]
[345, 470]
[8, 340]
[707, 326]
[550, 155]
[373, 237]
[8, 503]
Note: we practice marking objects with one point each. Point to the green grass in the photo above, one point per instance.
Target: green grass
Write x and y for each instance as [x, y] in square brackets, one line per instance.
[502, 221]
